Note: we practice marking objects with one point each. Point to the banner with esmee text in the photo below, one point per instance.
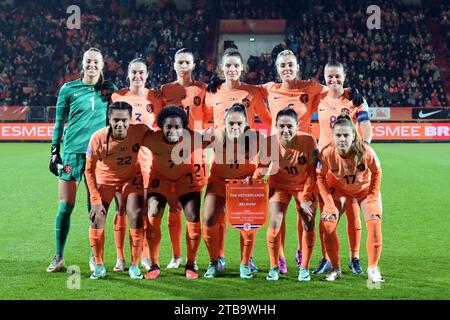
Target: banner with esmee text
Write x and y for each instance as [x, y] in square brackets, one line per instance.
[381, 131]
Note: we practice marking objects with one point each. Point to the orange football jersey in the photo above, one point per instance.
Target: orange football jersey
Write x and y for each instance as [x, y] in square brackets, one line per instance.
[250, 96]
[110, 161]
[192, 98]
[328, 111]
[301, 99]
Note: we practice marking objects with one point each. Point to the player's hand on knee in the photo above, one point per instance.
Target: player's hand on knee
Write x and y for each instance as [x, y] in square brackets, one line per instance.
[96, 211]
[55, 160]
[308, 210]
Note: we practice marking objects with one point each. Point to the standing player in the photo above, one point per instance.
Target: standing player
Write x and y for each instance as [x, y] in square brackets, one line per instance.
[146, 107]
[185, 178]
[226, 95]
[331, 104]
[234, 158]
[83, 102]
[190, 95]
[292, 174]
[349, 169]
[298, 95]
[112, 167]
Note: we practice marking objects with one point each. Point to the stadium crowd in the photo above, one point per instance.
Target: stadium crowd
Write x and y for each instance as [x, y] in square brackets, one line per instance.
[39, 54]
[393, 66]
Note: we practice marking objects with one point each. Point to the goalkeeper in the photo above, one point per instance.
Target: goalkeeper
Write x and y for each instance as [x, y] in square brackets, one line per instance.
[84, 103]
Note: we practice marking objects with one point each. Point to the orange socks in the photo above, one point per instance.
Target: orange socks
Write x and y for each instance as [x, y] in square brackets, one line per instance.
[193, 230]
[175, 222]
[120, 230]
[374, 241]
[299, 231]
[211, 237]
[308, 240]
[97, 240]
[322, 238]
[282, 237]
[154, 238]
[273, 244]
[353, 228]
[249, 240]
[222, 233]
[136, 238]
[145, 246]
[331, 242]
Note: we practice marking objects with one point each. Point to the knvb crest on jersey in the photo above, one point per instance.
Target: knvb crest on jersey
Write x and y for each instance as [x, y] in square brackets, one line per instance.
[246, 102]
[135, 147]
[197, 101]
[304, 98]
[302, 160]
[150, 108]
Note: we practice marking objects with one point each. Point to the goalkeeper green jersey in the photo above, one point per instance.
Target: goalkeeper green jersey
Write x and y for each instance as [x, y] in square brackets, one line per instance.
[85, 107]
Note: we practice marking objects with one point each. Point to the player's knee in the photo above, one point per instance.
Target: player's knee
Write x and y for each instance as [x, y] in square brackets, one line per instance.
[154, 208]
[368, 217]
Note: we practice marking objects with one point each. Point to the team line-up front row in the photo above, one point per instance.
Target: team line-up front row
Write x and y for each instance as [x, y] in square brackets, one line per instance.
[347, 169]
[139, 167]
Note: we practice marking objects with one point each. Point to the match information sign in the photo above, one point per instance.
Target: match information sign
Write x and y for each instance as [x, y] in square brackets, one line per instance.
[246, 207]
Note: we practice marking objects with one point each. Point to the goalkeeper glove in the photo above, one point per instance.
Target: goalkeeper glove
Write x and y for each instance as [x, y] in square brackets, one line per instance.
[55, 160]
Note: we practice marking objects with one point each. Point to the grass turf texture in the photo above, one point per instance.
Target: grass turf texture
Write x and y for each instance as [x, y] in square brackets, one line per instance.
[414, 261]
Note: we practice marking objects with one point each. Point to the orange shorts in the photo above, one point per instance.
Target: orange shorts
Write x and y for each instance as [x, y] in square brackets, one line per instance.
[341, 198]
[131, 186]
[284, 195]
[185, 184]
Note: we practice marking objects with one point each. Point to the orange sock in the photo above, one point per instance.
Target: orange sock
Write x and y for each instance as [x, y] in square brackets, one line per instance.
[249, 241]
[273, 244]
[136, 237]
[222, 233]
[97, 238]
[175, 222]
[300, 232]
[332, 242]
[120, 230]
[353, 228]
[374, 241]
[154, 238]
[308, 240]
[193, 231]
[211, 237]
[282, 238]
[145, 246]
[322, 239]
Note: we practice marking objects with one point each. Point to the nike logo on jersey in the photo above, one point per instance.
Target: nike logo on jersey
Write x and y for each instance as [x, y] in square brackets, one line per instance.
[424, 115]
[171, 100]
[217, 103]
[322, 109]
[277, 97]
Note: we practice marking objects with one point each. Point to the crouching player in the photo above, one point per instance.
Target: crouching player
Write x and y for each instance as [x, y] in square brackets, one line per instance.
[347, 169]
[112, 167]
[167, 172]
[227, 164]
[291, 174]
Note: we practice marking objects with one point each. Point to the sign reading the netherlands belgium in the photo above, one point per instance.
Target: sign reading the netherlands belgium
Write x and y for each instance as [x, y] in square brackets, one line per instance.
[247, 204]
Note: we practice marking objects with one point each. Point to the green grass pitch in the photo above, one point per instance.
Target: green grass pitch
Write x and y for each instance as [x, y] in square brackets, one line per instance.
[414, 262]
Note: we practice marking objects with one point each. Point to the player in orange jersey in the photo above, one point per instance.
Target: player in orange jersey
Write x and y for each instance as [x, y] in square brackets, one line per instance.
[190, 95]
[234, 158]
[291, 174]
[226, 95]
[146, 107]
[167, 173]
[349, 169]
[332, 103]
[111, 167]
[300, 96]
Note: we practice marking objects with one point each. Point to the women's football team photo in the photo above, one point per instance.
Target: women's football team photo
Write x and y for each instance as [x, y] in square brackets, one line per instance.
[123, 142]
